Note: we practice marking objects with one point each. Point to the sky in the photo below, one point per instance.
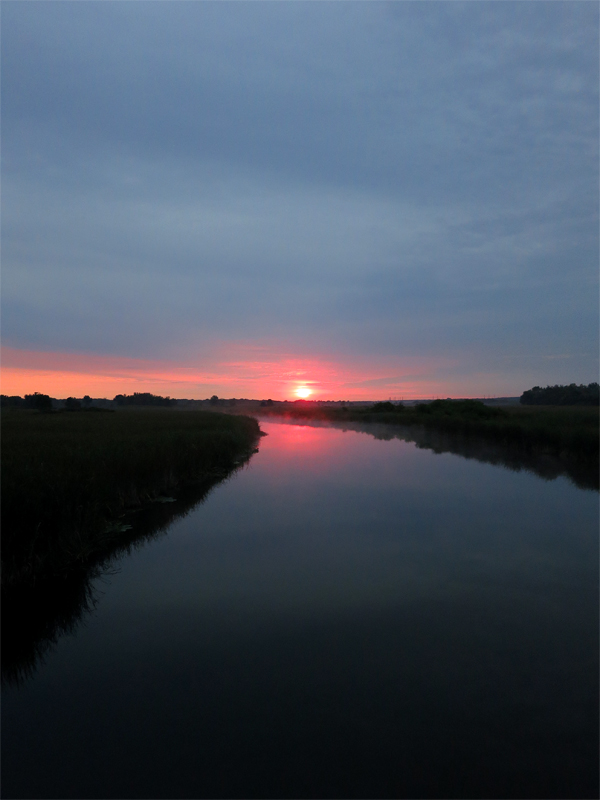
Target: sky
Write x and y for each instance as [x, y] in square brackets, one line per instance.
[369, 200]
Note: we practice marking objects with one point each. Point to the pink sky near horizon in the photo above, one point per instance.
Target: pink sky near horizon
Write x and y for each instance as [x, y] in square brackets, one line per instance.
[248, 372]
[274, 213]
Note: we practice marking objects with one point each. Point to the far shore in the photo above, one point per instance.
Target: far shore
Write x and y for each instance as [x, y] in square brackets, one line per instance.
[569, 435]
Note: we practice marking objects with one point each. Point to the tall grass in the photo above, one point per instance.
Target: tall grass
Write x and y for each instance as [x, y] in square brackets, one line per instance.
[67, 477]
[563, 430]
[36, 614]
[566, 431]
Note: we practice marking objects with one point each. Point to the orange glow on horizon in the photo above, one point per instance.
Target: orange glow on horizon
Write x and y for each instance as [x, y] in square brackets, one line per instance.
[255, 373]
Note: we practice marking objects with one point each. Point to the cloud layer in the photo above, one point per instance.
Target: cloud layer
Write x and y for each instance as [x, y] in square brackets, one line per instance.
[349, 184]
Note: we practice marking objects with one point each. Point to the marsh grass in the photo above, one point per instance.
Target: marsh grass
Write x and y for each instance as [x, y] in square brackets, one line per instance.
[67, 478]
[569, 432]
[558, 430]
[35, 615]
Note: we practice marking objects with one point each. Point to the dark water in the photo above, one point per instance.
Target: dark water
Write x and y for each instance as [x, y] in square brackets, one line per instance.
[346, 617]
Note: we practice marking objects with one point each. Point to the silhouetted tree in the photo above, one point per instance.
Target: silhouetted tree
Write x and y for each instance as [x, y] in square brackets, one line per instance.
[41, 402]
[143, 399]
[572, 395]
[14, 401]
[387, 406]
[72, 404]
[465, 409]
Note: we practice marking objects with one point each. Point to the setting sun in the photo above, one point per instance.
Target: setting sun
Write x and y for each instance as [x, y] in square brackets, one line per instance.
[303, 392]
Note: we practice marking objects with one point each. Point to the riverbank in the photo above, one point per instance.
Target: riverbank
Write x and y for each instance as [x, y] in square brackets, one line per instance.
[568, 432]
[68, 478]
[413, 597]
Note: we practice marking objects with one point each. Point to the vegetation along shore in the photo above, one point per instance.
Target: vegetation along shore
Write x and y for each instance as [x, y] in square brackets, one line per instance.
[566, 432]
[560, 429]
[69, 478]
[69, 475]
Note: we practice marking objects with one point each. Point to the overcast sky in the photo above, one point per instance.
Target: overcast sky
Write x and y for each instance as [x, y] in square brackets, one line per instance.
[373, 199]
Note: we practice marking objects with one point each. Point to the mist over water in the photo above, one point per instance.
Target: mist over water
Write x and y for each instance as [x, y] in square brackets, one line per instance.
[346, 617]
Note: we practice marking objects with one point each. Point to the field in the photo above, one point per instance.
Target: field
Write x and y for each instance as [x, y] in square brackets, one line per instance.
[68, 477]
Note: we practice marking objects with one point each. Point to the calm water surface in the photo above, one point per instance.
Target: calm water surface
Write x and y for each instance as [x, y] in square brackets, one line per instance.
[345, 617]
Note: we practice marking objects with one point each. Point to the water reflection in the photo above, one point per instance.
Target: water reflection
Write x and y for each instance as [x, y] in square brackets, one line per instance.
[349, 617]
[35, 617]
[535, 460]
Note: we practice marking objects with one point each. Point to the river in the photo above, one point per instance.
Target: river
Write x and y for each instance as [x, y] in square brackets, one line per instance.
[344, 617]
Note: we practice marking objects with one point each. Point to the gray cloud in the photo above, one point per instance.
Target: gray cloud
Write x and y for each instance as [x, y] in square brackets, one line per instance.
[412, 179]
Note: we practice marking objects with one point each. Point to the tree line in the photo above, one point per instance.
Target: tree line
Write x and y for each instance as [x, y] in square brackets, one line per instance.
[143, 399]
[43, 402]
[40, 402]
[571, 395]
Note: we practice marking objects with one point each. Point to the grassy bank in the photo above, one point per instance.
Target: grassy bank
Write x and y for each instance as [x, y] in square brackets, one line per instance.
[36, 614]
[563, 431]
[68, 477]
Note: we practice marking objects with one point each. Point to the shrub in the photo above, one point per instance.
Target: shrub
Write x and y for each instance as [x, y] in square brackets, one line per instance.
[386, 407]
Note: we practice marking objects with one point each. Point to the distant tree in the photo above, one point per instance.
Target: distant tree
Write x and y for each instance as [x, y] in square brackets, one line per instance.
[387, 406]
[143, 399]
[214, 400]
[14, 401]
[41, 402]
[572, 395]
[72, 404]
[87, 401]
[471, 409]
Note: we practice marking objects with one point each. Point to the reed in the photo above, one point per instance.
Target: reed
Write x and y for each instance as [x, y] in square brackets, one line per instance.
[570, 431]
[68, 477]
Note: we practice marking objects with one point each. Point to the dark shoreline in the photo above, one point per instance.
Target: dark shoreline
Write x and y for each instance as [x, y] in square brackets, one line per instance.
[35, 616]
[37, 612]
[549, 441]
[534, 460]
[47, 586]
[69, 479]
